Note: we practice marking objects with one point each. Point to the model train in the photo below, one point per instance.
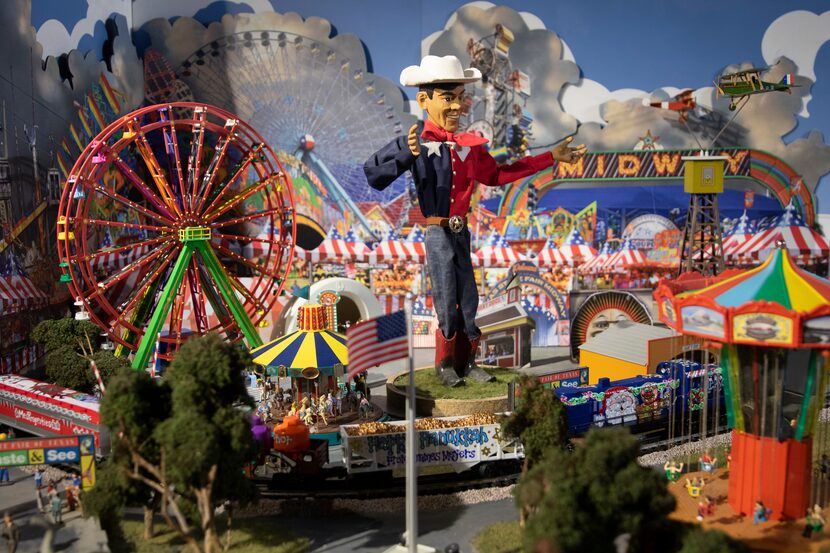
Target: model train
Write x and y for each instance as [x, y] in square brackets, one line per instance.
[680, 399]
[445, 444]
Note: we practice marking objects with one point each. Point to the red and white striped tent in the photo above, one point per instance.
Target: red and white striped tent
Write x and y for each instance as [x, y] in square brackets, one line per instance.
[254, 249]
[800, 240]
[496, 253]
[394, 250]
[119, 259]
[18, 292]
[573, 251]
[743, 230]
[339, 250]
[627, 256]
[595, 263]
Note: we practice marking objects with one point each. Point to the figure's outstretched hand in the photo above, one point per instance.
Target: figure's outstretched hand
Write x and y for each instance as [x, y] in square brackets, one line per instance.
[566, 154]
[414, 141]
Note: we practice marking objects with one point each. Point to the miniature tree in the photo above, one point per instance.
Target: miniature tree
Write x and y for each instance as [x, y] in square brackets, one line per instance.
[538, 421]
[70, 345]
[705, 541]
[185, 438]
[540, 424]
[585, 499]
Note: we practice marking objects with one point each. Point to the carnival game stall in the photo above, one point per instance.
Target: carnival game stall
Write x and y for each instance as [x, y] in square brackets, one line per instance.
[772, 324]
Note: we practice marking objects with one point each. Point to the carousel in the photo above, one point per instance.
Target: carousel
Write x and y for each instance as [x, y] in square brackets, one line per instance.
[313, 356]
[772, 326]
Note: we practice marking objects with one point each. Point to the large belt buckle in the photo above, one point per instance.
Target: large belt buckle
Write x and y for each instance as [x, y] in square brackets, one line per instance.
[456, 223]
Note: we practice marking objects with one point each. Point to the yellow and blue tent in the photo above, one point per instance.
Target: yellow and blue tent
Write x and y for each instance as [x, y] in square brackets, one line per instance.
[322, 349]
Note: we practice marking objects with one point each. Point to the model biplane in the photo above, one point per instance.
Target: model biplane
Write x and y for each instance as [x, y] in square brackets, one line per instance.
[739, 86]
[682, 103]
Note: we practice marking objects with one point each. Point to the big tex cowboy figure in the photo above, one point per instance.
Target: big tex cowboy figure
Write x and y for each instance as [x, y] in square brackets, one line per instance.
[445, 167]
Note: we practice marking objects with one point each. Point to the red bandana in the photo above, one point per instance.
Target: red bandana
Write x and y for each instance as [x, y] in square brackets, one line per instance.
[433, 132]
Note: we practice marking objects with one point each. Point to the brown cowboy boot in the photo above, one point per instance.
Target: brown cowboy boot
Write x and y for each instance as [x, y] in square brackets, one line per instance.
[472, 370]
[444, 359]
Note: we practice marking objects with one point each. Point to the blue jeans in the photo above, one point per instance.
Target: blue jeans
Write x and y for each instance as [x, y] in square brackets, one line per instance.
[454, 292]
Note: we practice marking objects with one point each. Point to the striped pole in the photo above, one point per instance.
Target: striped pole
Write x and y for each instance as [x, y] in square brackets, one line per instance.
[155, 356]
[98, 377]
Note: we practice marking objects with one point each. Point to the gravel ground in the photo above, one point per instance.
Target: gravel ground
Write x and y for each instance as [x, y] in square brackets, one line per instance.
[425, 503]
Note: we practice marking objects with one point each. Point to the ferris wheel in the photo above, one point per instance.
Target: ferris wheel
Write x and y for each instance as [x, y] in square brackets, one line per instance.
[177, 219]
[307, 100]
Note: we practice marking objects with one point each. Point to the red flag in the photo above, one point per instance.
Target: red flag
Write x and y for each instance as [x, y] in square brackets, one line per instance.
[377, 341]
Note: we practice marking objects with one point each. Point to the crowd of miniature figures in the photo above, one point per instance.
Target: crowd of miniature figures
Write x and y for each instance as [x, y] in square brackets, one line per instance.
[323, 409]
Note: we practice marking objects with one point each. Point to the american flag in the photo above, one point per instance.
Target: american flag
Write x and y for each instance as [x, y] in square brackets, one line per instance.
[416, 235]
[376, 341]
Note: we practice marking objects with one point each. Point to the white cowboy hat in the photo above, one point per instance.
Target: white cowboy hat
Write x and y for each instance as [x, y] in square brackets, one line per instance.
[435, 69]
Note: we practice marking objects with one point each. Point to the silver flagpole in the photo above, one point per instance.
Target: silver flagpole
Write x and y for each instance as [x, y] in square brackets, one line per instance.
[411, 444]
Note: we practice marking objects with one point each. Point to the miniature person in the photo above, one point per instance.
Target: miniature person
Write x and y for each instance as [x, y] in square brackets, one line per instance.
[673, 471]
[445, 167]
[365, 408]
[815, 521]
[707, 462]
[760, 513]
[705, 508]
[11, 532]
[695, 486]
[57, 508]
[824, 466]
[322, 410]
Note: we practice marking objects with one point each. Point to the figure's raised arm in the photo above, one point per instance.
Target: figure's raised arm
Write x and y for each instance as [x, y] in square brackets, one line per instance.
[390, 162]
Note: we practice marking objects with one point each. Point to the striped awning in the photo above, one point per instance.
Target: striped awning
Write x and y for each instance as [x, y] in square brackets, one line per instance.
[734, 241]
[566, 255]
[497, 256]
[394, 251]
[18, 292]
[338, 251]
[627, 256]
[112, 261]
[798, 241]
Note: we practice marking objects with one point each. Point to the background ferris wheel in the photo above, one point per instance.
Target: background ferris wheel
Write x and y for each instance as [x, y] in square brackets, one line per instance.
[307, 100]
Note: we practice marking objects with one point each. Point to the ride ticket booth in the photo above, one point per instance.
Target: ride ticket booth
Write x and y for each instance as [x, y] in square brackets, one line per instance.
[505, 330]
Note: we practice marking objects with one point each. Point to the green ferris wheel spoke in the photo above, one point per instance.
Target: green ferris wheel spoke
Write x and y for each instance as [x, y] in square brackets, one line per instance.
[193, 239]
[215, 269]
[145, 348]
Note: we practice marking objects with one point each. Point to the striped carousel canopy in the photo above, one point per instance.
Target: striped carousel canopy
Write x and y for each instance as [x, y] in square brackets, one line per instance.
[798, 238]
[339, 250]
[310, 346]
[393, 250]
[778, 280]
[496, 253]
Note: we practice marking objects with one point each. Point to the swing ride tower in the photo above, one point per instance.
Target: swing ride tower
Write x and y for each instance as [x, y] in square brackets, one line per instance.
[772, 325]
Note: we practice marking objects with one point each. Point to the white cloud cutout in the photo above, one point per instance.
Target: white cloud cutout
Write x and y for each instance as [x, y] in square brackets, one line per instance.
[147, 10]
[583, 100]
[57, 40]
[797, 35]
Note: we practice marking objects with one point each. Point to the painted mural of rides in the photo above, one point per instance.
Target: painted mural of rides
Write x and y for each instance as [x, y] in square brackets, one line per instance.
[305, 98]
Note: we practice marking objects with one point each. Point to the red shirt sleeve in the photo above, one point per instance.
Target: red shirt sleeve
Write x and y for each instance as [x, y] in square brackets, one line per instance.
[490, 173]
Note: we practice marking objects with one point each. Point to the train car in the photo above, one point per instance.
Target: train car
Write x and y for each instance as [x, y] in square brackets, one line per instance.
[446, 444]
[677, 395]
[48, 410]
